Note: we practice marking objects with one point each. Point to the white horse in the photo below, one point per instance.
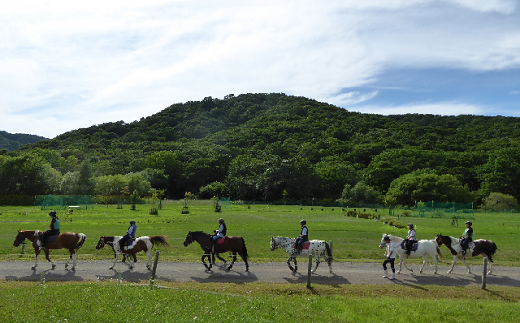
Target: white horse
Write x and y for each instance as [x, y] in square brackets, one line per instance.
[422, 248]
[317, 248]
[475, 248]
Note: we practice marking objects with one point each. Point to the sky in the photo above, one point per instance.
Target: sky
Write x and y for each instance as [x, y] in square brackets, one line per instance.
[66, 65]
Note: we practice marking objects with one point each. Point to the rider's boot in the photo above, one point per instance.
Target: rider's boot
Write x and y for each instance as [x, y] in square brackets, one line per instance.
[386, 274]
[135, 258]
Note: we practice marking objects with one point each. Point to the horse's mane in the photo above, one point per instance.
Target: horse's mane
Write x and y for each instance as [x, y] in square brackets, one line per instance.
[198, 233]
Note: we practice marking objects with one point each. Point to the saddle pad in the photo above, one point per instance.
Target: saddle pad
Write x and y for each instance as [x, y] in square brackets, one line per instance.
[415, 245]
[51, 238]
[221, 240]
[306, 245]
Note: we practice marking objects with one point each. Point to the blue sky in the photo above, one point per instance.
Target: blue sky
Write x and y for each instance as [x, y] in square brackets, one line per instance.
[68, 65]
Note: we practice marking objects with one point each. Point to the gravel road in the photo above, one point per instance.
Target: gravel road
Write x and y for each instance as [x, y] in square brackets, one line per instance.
[343, 273]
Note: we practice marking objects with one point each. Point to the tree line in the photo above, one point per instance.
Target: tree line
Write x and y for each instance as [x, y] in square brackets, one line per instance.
[267, 147]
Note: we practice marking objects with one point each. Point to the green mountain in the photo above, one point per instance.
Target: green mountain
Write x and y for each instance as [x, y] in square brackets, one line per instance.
[262, 145]
[10, 142]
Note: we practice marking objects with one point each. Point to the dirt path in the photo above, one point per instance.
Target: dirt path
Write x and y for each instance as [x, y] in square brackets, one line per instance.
[343, 273]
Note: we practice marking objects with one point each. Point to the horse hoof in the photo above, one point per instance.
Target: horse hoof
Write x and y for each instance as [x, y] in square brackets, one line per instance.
[33, 268]
[53, 266]
[112, 267]
[66, 265]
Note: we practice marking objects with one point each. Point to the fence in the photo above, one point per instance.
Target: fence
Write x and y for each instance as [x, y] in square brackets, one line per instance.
[64, 201]
[452, 210]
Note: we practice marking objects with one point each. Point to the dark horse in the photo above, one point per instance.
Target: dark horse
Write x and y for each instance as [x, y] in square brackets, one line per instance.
[67, 240]
[233, 244]
[140, 244]
[475, 248]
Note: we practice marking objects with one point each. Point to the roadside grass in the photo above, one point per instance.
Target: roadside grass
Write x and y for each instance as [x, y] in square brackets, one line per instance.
[354, 239]
[252, 302]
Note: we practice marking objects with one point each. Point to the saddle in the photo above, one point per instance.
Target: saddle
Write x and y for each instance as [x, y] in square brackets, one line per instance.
[415, 245]
[221, 240]
[129, 243]
[306, 245]
[51, 238]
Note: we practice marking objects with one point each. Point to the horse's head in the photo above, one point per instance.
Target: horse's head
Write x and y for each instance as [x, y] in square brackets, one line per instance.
[383, 243]
[189, 239]
[438, 239]
[274, 244]
[101, 243]
[19, 238]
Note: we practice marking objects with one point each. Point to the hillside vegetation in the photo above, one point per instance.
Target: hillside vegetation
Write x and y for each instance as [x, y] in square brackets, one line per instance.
[274, 147]
[10, 142]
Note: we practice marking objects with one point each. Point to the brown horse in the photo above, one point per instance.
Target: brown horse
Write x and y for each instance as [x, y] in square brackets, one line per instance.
[233, 244]
[67, 240]
[140, 244]
[475, 248]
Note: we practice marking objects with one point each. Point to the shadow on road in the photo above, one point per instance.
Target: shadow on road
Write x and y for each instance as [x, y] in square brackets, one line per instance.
[48, 275]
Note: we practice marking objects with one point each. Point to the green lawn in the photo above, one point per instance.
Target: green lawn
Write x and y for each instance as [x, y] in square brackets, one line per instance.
[354, 239]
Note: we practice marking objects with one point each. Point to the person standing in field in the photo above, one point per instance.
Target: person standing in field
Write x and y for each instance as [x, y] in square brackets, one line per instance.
[390, 257]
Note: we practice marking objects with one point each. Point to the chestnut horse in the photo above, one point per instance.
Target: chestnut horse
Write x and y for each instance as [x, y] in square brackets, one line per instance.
[233, 244]
[67, 240]
[140, 244]
[475, 248]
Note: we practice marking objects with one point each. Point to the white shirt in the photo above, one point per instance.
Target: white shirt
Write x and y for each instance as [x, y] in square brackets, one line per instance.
[390, 249]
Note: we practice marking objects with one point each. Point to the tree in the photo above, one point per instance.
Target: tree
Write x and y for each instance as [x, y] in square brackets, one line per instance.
[213, 189]
[137, 183]
[361, 193]
[498, 201]
[426, 185]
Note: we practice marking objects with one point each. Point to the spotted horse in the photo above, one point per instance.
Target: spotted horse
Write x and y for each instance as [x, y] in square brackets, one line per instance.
[317, 248]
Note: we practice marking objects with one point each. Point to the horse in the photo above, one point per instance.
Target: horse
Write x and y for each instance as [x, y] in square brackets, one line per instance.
[422, 248]
[475, 248]
[314, 247]
[233, 244]
[140, 244]
[68, 240]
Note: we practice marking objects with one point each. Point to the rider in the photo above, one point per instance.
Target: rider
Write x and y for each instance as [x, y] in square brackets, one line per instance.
[410, 238]
[466, 237]
[304, 236]
[390, 257]
[220, 233]
[130, 234]
[54, 229]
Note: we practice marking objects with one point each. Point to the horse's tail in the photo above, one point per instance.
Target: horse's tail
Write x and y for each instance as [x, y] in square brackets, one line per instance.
[244, 249]
[329, 251]
[159, 240]
[438, 251]
[82, 237]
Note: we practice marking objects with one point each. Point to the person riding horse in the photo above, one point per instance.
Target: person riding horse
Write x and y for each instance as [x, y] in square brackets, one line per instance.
[304, 236]
[466, 237]
[130, 235]
[54, 229]
[220, 233]
[410, 239]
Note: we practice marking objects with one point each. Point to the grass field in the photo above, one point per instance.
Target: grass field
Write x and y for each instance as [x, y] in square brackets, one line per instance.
[254, 302]
[354, 239]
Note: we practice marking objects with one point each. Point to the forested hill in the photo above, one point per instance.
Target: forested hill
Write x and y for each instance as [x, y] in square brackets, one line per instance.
[266, 146]
[10, 142]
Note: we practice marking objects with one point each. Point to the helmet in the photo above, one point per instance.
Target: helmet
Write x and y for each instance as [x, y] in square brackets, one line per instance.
[468, 222]
[386, 238]
[132, 222]
[221, 220]
[410, 225]
[52, 213]
[303, 222]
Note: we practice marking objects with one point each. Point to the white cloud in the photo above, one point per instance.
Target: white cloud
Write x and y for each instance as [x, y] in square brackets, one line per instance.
[441, 108]
[73, 65]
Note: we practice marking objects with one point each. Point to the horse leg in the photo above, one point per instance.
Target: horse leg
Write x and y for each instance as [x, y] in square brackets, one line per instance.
[435, 260]
[425, 258]
[329, 262]
[53, 265]
[234, 259]
[453, 264]
[37, 252]
[220, 258]
[244, 258]
[490, 263]
[467, 266]
[71, 251]
[289, 263]
[149, 263]
[115, 260]
[317, 256]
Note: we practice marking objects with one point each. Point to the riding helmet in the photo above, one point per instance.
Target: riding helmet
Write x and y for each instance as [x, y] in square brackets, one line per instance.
[303, 222]
[221, 220]
[410, 225]
[132, 222]
[468, 222]
[52, 213]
